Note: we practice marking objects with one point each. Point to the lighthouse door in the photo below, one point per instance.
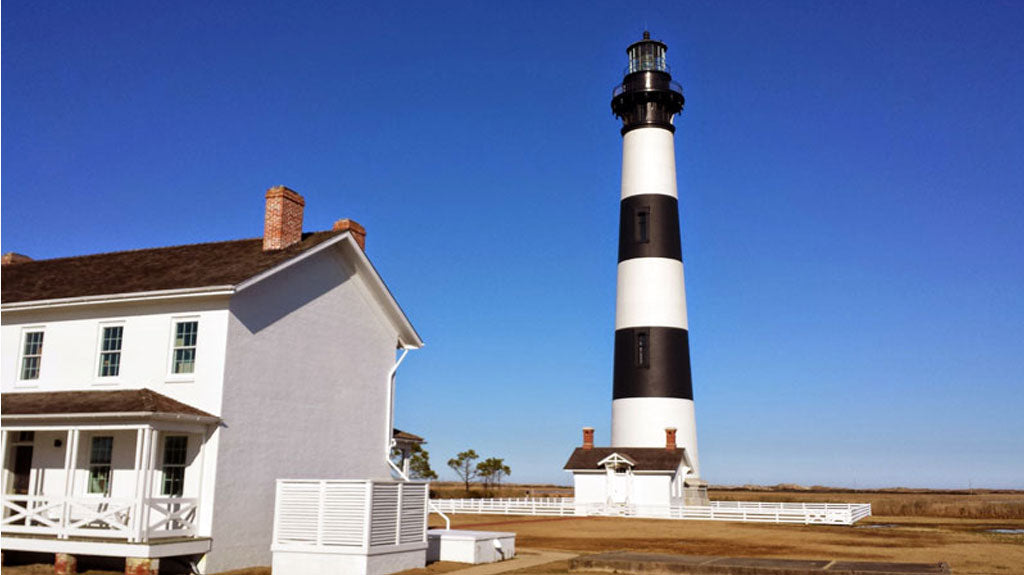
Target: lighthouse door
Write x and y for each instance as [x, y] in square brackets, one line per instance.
[619, 492]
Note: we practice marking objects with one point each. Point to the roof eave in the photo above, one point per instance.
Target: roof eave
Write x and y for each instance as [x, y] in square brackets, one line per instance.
[184, 293]
[120, 415]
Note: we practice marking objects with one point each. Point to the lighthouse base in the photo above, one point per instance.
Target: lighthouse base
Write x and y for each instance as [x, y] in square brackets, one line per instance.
[695, 493]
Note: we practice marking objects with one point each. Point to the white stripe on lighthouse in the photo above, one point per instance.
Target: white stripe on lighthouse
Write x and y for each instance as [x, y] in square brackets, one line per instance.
[641, 422]
[650, 293]
[648, 162]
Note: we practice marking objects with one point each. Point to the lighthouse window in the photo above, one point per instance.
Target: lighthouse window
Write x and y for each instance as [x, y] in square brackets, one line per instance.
[643, 351]
[643, 224]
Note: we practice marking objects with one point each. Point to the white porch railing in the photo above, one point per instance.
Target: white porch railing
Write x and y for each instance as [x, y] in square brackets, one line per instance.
[134, 520]
[352, 515]
[743, 511]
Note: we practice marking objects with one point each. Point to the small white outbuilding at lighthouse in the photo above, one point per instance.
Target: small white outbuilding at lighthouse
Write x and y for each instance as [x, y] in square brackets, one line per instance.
[653, 456]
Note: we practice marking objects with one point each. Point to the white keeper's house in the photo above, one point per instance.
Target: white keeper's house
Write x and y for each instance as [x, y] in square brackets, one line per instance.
[647, 479]
[151, 398]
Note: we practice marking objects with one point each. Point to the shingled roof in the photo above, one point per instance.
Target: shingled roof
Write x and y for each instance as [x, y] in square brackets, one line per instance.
[136, 401]
[176, 267]
[646, 458]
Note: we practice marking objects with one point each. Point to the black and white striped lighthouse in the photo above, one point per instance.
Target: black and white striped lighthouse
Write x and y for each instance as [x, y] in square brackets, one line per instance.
[652, 385]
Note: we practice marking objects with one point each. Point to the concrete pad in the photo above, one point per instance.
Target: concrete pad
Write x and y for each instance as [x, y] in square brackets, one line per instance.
[659, 564]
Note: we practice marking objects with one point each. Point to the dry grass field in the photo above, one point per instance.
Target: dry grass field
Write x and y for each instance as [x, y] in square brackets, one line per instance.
[907, 525]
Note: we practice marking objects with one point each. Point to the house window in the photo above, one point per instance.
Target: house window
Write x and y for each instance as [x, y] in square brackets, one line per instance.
[643, 225]
[32, 355]
[184, 352]
[175, 450]
[110, 351]
[99, 464]
[643, 348]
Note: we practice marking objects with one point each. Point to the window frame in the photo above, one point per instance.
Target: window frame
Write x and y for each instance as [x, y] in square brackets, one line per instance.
[164, 466]
[93, 466]
[21, 381]
[642, 348]
[642, 231]
[171, 348]
[98, 368]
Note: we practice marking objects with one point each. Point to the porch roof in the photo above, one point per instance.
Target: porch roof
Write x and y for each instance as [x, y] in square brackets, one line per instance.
[405, 436]
[137, 403]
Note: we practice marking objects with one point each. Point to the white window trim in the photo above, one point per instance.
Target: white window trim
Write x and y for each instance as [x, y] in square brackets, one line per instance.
[88, 466]
[28, 383]
[181, 377]
[99, 380]
[163, 463]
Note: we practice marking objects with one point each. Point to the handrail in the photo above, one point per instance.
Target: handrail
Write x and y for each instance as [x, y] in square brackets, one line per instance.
[447, 520]
[672, 84]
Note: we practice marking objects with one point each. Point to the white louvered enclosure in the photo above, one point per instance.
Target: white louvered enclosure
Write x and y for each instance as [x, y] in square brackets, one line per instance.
[357, 526]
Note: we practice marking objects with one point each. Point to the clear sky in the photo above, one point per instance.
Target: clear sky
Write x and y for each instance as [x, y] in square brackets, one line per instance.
[851, 179]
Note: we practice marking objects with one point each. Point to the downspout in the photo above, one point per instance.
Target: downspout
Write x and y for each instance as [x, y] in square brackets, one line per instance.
[391, 416]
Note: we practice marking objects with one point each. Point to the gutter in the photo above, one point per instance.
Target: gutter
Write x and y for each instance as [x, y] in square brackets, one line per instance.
[120, 298]
[151, 415]
[391, 414]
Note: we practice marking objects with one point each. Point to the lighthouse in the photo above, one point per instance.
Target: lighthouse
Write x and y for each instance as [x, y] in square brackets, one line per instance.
[652, 461]
[653, 391]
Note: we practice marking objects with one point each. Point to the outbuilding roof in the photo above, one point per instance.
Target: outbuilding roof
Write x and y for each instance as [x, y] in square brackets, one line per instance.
[121, 402]
[176, 267]
[644, 458]
[400, 435]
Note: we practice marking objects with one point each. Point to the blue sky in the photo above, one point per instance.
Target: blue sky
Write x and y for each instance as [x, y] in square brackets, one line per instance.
[851, 180]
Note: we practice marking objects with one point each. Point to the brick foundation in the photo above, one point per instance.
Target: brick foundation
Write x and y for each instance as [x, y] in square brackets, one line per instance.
[141, 566]
[64, 564]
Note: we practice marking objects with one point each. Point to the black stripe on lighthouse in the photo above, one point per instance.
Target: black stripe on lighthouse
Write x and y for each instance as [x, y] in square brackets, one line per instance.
[652, 362]
[649, 227]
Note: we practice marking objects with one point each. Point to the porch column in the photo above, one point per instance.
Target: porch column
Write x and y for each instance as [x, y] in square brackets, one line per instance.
[149, 464]
[3, 462]
[70, 465]
[141, 451]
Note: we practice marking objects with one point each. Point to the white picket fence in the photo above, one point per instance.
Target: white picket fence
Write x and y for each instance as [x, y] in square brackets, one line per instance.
[743, 511]
[357, 514]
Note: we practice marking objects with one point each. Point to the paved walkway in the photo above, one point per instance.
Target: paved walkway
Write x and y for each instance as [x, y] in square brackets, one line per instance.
[524, 558]
[659, 564]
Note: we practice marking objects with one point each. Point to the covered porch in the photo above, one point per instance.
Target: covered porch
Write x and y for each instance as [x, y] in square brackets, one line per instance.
[115, 473]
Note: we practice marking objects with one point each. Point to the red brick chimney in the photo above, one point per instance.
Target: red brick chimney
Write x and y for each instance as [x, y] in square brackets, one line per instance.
[351, 226]
[282, 222]
[670, 438]
[11, 258]
[588, 438]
